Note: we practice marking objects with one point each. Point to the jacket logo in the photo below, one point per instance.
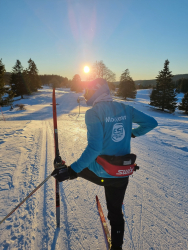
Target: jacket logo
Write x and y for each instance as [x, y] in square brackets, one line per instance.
[116, 119]
[118, 132]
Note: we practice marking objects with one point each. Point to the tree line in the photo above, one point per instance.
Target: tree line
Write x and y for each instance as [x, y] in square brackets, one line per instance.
[21, 81]
[25, 81]
[55, 81]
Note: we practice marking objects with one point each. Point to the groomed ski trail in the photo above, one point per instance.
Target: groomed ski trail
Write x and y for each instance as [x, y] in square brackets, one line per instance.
[156, 198]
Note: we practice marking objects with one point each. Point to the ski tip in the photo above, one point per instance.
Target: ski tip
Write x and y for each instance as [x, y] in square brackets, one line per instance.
[97, 199]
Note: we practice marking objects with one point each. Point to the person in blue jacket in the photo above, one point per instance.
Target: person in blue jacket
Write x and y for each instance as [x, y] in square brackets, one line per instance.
[109, 132]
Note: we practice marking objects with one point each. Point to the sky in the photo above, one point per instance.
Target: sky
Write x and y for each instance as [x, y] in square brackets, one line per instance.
[62, 36]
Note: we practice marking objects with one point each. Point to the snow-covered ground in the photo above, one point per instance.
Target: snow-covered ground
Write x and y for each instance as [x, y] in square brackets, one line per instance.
[156, 201]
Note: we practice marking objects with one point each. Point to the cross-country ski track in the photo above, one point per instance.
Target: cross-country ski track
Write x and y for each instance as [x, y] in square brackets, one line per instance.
[156, 200]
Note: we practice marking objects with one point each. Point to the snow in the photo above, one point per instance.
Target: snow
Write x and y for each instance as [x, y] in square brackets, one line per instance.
[156, 200]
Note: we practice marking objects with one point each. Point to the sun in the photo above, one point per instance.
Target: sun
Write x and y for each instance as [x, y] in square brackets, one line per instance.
[86, 69]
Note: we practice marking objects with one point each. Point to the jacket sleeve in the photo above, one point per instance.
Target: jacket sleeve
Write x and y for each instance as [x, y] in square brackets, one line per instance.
[95, 142]
[146, 123]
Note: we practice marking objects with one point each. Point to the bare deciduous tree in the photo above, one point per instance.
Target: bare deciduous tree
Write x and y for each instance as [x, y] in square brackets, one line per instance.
[100, 70]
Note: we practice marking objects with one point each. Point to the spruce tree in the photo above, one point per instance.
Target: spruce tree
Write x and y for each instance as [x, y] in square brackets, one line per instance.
[33, 78]
[127, 88]
[17, 82]
[163, 95]
[26, 81]
[184, 104]
[5, 92]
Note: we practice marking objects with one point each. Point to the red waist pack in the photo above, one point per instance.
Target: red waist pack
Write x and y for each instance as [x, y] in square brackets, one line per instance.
[119, 166]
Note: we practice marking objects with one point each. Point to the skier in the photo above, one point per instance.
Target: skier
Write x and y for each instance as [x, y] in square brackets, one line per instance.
[109, 132]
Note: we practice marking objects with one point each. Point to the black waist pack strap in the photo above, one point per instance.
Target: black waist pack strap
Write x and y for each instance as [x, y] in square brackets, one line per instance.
[118, 165]
[123, 160]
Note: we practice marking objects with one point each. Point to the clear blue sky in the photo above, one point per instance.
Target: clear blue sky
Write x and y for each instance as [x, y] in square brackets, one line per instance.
[62, 36]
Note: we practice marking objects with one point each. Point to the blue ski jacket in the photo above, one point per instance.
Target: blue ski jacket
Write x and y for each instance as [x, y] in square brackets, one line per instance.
[109, 129]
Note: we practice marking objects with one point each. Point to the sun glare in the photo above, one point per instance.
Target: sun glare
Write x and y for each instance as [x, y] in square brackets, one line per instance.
[86, 69]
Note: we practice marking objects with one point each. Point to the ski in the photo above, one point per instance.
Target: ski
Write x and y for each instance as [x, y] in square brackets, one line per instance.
[56, 154]
[103, 221]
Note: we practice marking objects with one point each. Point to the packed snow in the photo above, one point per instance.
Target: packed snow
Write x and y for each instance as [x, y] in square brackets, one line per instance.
[156, 200]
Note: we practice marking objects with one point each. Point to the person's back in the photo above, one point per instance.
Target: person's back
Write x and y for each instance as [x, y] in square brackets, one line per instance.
[116, 120]
[109, 130]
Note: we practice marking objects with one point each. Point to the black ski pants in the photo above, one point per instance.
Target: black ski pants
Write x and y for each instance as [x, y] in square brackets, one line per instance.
[114, 191]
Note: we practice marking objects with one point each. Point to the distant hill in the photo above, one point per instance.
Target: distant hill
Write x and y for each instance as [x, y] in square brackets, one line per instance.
[177, 77]
[153, 81]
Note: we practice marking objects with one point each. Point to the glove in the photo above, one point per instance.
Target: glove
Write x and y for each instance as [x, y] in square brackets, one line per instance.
[61, 173]
[64, 173]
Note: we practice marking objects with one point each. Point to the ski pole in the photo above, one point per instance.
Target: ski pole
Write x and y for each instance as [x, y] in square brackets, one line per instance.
[56, 155]
[26, 198]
